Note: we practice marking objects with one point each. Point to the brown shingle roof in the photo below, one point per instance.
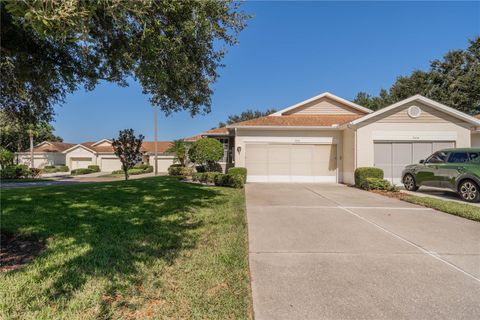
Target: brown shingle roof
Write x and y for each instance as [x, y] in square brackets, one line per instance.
[222, 130]
[299, 120]
[477, 116]
[52, 147]
[193, 139]
[162, 146]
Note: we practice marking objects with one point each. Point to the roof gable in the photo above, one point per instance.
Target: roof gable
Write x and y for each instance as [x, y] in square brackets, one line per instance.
[79, 146]
[324, 104]
[102, 143]
[443, 111]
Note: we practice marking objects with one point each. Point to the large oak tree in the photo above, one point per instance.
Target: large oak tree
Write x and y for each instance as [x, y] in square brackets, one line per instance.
[172, 48]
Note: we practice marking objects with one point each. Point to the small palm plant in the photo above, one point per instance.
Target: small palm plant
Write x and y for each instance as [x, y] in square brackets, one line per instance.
[179, 149]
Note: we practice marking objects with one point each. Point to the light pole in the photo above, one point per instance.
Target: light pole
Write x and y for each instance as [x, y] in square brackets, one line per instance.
[30, 132]
[156, 137]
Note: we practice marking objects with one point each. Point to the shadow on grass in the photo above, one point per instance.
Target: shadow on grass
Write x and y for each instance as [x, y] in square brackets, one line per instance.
[106, 230]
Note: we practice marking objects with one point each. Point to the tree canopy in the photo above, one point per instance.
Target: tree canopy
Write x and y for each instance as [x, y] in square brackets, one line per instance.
[206, 152]
[246, 115]
[172, 48]
[453, 81]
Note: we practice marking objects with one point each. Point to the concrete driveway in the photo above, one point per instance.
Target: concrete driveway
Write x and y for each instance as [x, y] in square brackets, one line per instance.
[334, 252]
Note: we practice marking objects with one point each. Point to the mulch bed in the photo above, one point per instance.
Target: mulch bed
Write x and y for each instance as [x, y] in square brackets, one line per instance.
[17, 250]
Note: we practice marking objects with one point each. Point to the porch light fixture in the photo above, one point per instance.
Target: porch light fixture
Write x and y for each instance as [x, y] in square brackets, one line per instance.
[239, 149]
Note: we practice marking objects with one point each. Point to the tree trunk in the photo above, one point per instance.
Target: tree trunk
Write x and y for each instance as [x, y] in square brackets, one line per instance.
[126, 174]
[31, 149]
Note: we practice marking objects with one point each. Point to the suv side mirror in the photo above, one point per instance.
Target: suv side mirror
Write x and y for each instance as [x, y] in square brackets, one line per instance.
[422, 161]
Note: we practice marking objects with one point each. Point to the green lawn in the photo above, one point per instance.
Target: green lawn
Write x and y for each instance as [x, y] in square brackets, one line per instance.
[154, 247]
[459, 209]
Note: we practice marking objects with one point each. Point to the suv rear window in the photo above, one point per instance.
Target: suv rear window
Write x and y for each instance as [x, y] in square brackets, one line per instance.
[474, 157]
[458, 157]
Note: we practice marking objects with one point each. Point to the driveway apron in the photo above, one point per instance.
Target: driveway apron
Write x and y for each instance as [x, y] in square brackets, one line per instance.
[321, 251]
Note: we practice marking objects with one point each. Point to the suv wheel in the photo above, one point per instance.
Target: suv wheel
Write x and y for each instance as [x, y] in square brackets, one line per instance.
[469, 191]
[409, 182]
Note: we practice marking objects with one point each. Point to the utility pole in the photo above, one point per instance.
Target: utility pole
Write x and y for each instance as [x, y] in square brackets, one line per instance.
[30, 132]
[156, 136]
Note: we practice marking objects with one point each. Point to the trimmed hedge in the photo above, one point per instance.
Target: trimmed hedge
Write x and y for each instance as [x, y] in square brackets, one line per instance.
[229, 180]
[367, 172]
[77, 172]
[239, 171]
[52, 169]
[142, 166]
[136, 170]
[94, 168]
[179, 170]
[18, 171]
[377, 184]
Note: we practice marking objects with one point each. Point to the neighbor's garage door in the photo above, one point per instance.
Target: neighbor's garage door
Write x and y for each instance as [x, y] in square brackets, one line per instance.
[392, 157]
[291, 163]
[78, 163]
[110, 164]
[164, 163]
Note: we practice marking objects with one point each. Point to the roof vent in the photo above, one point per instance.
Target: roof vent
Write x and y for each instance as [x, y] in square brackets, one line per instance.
[414, 112]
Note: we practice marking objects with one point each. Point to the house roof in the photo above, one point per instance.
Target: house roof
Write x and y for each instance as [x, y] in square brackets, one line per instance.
[216, 131]
[320, 96]
[50, 146]
[297, 121]
[431, 103]
[477, 116]
[162, 146]
[193, 139]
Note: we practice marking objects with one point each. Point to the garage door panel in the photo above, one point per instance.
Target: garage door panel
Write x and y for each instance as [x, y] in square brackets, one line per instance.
[163, 164]
[291, 163]
[111, 164]
[442, 145]
[383, 158]
[80, 163]
[421, 150]
[401, 157]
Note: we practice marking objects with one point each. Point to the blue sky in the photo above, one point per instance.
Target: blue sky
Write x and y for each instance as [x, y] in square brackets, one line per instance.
[289, 52]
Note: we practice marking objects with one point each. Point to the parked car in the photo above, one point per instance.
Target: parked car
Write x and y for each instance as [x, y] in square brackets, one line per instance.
[455, 169]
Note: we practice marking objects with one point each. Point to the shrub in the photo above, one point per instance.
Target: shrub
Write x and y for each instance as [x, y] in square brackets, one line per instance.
[367, 172]
[135, 171]
[49, 167]
[63, 168]
[211, 176]
[377, 184]
[94, 168]
[239, 171]
[81, 171]
[6, 157]
[143, 166]
[187, 171]
[202, 177]
[206, 152]
[8, 172]
[117, 172]
[175, 170]
[229, 180]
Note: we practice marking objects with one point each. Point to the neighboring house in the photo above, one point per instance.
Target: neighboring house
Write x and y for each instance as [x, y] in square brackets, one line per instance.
[45, 153]
[101, 153]
[325, 138]
[476, 135]
[164, 159]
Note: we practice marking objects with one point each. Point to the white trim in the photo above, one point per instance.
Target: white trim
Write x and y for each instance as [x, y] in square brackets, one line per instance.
[43, 142]
[414, 136]
[100, 141]
[289, 178]
[79, 146]
[333, 127]
[428, 102]
[323, 95]
[289, 140]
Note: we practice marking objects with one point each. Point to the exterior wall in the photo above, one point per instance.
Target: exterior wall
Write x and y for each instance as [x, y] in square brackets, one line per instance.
[79, 153]
[324, 106]
[348, 156]
[411, 131]
[40, 160]
[246, 136]
[429, 115]
[476, 139]
[163, 163]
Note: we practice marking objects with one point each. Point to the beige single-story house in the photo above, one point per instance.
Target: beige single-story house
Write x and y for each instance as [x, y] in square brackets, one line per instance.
[46, 153]
[99, 153]
[476, 135]
[325, 138]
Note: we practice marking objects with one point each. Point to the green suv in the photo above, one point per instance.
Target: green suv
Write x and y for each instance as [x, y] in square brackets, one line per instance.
[456, 169]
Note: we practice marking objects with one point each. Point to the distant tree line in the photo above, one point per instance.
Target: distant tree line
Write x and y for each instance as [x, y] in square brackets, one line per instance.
[453, 81]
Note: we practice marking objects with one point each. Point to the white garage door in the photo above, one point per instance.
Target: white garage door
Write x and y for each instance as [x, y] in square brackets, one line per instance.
[110, 164]
[164, 163]
[78, 163]
[291, 163]
[392, 157]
